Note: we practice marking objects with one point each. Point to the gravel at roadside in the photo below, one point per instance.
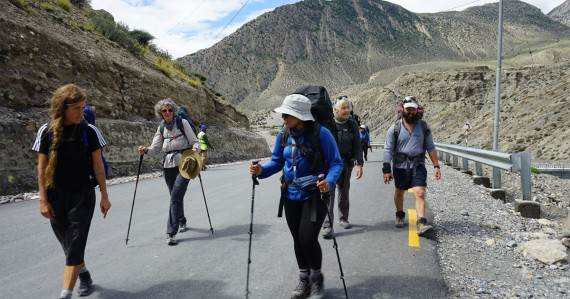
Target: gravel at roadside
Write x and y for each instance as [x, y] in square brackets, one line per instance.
[480, 238]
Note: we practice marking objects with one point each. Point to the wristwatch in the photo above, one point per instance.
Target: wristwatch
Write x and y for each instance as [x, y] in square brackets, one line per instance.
[436, 166]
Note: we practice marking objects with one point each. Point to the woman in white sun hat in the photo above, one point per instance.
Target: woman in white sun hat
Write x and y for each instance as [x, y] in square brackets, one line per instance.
[303, 150]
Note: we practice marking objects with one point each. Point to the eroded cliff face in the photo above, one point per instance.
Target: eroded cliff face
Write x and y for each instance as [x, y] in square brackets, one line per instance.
[40, 51]
[533, 116]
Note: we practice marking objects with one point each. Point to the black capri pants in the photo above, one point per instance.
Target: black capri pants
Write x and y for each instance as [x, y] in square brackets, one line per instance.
[306, 233]
[73, 213]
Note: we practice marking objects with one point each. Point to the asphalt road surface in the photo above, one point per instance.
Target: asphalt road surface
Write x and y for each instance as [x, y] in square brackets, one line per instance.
[378, 259]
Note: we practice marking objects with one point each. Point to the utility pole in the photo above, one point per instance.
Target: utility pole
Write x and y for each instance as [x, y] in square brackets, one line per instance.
[496, 171]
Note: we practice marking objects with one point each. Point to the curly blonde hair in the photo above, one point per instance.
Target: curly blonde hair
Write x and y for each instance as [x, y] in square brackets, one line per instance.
[63, 97]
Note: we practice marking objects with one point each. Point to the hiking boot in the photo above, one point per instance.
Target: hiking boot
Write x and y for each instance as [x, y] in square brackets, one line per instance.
[423, 227]
[182, 228]
[303, 290]
[345, 224]
[317, 286]
[85, 284]
[400, 216]
[327, 232]
[171, 239]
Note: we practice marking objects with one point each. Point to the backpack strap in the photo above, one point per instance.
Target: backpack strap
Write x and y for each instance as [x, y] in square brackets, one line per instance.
[179, 124]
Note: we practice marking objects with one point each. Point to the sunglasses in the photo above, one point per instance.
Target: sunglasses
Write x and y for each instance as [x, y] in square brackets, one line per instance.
[167, 110]
[284, 115]
[410, 100]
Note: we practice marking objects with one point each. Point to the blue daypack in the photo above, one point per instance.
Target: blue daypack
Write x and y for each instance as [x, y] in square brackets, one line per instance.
[89, 116]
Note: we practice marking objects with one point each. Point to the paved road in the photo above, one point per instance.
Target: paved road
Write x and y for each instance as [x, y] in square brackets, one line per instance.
[376, 257]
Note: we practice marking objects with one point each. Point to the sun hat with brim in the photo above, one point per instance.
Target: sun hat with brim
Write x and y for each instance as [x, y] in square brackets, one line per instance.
[298, 106]
[363, 127]
[190, 164]
[410, 102]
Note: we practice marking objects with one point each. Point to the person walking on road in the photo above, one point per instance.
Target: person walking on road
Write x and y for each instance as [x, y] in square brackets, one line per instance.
[204, 144]
[350, 150]
[301, 192]
[365, 141]
[173, 139]
[69, 164]
[406, 142]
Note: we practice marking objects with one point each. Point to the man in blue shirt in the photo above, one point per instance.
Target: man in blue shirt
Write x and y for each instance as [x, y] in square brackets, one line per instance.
[406, 142]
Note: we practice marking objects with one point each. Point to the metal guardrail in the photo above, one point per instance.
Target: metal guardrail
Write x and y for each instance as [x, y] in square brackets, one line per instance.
[551, 166]
[513, 162]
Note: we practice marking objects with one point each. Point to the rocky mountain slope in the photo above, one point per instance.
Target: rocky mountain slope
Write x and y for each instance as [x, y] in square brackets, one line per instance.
[561, 13]
[342, 43]
[44, 46]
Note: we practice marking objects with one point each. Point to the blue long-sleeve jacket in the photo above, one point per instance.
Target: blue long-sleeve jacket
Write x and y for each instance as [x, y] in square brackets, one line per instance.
[282, 159]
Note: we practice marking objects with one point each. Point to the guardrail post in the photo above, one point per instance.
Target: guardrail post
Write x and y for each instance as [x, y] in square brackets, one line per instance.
[447, 159]
[496, 178]
[479, 168]
[526, 184]
[455, 161]
[465, 164]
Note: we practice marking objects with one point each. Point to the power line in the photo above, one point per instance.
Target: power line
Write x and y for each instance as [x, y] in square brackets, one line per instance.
[246, 2]
[186, 17]
[462, 5]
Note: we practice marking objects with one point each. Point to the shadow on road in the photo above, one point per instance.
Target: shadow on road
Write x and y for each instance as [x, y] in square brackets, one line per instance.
[171, 289]
[391, 287]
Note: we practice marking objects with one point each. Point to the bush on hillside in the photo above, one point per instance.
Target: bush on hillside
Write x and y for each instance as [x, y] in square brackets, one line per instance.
[81, 3]
[64, 4]
[141, 36]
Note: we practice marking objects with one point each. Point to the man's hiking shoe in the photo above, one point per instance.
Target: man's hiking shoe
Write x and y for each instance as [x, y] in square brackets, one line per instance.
[345, 224]
[327, 233]
[182, 228]
[400, 216]
[317, 286]
[85, 284]
[171, 239]
[423, 227]
[303, 290]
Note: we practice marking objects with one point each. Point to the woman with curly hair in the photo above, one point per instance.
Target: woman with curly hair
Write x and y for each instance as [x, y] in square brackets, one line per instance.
[69, 167]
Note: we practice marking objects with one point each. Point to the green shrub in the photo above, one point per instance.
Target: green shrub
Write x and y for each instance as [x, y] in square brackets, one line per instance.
[80, 3]
[21, 4]
[64, 4]
[141, 36]
[534, 170]
[47, 7]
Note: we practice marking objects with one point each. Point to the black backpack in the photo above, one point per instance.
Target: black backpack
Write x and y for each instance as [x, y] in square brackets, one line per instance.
[182, 114]
[321, 105]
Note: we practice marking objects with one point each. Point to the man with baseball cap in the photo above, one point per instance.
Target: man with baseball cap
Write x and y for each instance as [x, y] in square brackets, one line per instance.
[406, 142]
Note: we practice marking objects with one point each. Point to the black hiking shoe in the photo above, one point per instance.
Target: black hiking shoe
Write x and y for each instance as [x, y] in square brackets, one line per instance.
[400, 216]
[317, 286]
[303, 290]
[85, 284]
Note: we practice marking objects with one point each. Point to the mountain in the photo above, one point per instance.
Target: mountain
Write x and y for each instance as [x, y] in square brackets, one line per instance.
[561, 13]
[46, 44]
[340, 44]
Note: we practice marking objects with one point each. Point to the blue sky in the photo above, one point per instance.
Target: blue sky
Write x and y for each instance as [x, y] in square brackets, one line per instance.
[185, 26]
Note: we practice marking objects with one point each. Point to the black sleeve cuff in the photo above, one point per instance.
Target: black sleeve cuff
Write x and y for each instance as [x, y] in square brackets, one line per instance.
[386, 168]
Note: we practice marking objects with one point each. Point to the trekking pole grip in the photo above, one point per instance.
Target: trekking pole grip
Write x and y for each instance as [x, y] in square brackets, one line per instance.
[254, 176]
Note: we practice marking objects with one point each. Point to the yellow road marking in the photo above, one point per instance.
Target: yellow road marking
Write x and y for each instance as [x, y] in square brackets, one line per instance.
[413, 238]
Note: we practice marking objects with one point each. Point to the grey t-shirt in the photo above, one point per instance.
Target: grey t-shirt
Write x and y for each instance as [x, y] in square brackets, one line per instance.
[411, 144]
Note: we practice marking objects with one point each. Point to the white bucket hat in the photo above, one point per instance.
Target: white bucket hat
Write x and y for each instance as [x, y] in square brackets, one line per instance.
[298, 106]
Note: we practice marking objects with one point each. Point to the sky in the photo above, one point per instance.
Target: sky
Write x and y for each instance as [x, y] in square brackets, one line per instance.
[182, 27]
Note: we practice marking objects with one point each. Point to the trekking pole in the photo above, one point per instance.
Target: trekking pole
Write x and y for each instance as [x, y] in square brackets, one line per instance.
[201, 185]
[133, 206]
[335, 245]
[255, 182]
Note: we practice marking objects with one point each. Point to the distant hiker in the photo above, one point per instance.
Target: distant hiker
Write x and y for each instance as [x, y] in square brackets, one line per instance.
[406, 142]
[348, 140]
[173, 141]
[365, 141]
[301, 194]
[69, 161]
[204, 144]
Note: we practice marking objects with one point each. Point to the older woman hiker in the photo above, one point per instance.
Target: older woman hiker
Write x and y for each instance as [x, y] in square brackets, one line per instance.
[172, 139]
[304, 209]
[69, 167]
[350, 152]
